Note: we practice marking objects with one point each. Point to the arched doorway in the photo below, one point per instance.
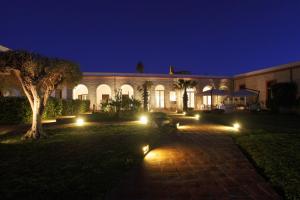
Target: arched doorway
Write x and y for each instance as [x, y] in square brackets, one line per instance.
[103, 94]
[80, 92]
[207, 98]
[127, 91]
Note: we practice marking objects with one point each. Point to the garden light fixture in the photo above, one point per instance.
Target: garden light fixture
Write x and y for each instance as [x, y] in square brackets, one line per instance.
[236, 126]
[146, 149]
[79, 122]
[144, 119]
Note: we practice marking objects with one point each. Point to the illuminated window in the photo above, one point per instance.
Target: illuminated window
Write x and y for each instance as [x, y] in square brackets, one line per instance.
[191, 97]
[173, 96]
[160, 96]
[127, 90]
[80, 92]
[207, 98]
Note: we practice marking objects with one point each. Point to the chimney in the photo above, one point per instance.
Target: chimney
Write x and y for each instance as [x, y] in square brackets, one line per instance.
[171, 70]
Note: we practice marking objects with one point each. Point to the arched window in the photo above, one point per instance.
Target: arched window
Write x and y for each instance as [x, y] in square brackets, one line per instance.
[127, 91]
[80, 92]
[191, 97]
[160, 96]
[207, 98]
[103, 93]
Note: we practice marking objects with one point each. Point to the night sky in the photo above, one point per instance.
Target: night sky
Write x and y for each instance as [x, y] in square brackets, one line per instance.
[205, 37]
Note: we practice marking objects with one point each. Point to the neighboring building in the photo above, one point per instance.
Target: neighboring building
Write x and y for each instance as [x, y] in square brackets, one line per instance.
[262, 80]
[3, 48]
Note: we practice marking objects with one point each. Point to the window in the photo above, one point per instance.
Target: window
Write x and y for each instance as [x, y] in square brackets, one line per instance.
[269, 89]
[173, 96]
[80, 92]
[82, 97]
[242, 86]
[159, 96]
[191, 97]
[207, 98]
[127, 90]
[58, 94]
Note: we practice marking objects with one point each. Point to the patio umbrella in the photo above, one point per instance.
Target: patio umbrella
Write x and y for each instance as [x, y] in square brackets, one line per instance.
[244, 93]
[215, 92]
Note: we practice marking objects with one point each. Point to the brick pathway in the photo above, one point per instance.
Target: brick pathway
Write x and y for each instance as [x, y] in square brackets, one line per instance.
[201, 162]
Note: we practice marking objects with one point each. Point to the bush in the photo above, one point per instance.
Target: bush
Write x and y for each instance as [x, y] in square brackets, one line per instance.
[16, 110]
[74, 107]
[283, 95]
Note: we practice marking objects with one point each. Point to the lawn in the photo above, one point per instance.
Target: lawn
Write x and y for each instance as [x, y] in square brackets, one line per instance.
[73, 162]
[272, 142]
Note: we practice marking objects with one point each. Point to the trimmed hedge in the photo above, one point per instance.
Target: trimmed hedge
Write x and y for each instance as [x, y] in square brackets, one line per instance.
[16, 110]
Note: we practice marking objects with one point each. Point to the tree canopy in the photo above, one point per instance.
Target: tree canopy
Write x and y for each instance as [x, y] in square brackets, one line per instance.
[39, 76]
[182, 84]
[140, 67]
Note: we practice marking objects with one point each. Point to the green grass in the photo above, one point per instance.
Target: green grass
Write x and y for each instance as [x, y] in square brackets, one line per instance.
[272, 142]
[74, 162]
[278, 157]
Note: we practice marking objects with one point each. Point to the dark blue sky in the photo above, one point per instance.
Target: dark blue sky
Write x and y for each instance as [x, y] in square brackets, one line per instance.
[205, 37]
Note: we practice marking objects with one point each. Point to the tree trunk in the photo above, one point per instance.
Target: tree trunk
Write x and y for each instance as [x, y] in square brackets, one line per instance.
[36, 130]
[145, 100]
[185, 100]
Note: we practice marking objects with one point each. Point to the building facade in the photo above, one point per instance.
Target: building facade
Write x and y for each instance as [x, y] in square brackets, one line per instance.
[99, 87]
[262, 80]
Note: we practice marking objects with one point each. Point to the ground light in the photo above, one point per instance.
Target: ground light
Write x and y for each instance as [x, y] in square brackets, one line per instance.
[79, 122]
[184, 113]
[177, 125]
[146, 149]
[144, 119]
[197, 116]
[236, 126]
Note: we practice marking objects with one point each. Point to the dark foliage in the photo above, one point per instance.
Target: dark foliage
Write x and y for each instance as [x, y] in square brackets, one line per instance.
[140, 67]
[282, 95]
[16, 110]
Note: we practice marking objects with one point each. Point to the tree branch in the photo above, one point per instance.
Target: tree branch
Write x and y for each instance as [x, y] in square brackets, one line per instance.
[26, 91]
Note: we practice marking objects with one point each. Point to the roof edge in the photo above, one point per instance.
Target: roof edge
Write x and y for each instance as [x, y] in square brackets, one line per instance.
[269, 69]
[150, 75]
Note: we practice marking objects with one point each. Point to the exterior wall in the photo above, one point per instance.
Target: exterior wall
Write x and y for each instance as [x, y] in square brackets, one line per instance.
[258, 81]
[92, 81]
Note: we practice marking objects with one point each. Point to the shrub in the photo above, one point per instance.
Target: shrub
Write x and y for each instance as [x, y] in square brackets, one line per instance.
[282, 95]
[16, 110]
[53, 108]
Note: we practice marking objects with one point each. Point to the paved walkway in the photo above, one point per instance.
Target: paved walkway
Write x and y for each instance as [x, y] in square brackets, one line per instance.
[201, 162]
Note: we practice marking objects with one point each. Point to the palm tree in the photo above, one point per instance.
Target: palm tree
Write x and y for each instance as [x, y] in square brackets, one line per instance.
[144, 89]
[184, 85]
